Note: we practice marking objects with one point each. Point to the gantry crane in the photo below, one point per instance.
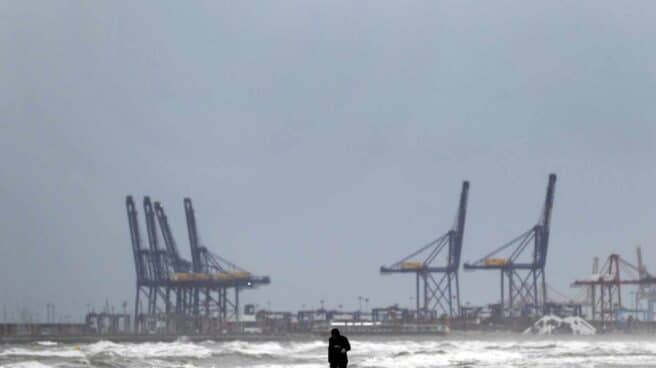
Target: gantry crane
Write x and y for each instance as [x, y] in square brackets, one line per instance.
[161, 271]
[525, 278]
[436, 286]
[606, 286]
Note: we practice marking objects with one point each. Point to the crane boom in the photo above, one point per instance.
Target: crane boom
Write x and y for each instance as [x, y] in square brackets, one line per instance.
[458, 234]
[193, 236]
[157, 256]
[178, 263]
[135, 237]
[545, 224]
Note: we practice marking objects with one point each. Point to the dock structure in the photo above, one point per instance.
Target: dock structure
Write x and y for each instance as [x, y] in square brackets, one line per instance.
[526, 292]
[197, 296]
[436, 284]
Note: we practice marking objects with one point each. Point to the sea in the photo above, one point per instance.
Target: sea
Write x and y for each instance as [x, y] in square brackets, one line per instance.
[369, 352]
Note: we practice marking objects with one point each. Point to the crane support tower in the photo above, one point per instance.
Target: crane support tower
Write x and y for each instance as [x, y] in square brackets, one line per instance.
[526, 289]
[436, 285]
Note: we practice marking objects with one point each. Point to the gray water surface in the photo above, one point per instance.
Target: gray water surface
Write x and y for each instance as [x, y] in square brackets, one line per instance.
[410, 352]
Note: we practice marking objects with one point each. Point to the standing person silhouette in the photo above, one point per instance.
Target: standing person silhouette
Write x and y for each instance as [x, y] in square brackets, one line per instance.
[338, 345]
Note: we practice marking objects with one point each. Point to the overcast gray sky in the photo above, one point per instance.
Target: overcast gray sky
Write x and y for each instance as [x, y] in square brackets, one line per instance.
[320, 140]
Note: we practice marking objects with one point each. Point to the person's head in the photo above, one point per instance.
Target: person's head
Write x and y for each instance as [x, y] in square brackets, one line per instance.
[334, 332]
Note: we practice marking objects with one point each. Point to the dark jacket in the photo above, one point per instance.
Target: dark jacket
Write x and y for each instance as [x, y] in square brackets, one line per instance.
[335, 345]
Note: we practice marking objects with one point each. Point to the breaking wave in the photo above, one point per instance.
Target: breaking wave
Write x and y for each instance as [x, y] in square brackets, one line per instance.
[378, 352]
[25, 352]
[26, 364]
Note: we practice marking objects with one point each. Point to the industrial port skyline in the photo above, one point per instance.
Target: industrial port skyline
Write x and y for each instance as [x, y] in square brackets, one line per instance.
[319, 145]
[163, 274]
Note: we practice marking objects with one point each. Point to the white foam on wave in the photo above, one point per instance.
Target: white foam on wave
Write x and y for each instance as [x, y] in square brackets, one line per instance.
[59, 353]
[285, 366]
[586, 348]
[398, 347]
[424, 354]
[537, 353]
[47, 343]
[556, 361]
[272, 348]
[149, 350]
[26, 364]
[379, 353]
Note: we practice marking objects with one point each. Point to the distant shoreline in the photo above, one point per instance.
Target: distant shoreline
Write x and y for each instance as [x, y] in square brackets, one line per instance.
[88, 339]
[454, 335]
[147, 338]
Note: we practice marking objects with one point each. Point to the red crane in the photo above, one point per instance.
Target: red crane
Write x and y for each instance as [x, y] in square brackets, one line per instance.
[606, 286]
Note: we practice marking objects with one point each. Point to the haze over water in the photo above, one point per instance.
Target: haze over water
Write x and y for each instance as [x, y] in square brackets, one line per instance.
[328, 131]
[370, 352]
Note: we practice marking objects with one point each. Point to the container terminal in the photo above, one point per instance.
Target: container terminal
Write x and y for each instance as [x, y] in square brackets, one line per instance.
[200, 297]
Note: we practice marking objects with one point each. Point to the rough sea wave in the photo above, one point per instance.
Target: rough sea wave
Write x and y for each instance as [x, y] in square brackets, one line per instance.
[374, 352]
